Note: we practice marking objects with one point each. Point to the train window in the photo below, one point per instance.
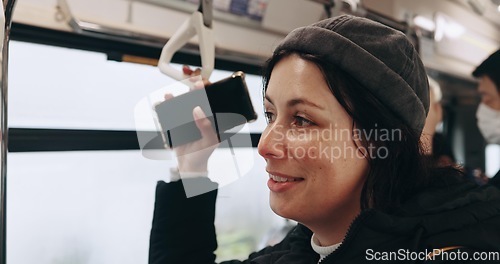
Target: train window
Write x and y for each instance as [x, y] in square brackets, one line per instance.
[492, 159]
[97, 206]
[53, 87]
[66, 88]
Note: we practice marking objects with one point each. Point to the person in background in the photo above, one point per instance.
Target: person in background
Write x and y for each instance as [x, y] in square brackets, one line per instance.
[488, 112]
[434, 117]
[437, 147]
[369, 193]
[435, 144]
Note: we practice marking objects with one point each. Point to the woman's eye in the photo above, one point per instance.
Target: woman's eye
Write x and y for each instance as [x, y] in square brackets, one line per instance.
[269, 117]
[302, 122]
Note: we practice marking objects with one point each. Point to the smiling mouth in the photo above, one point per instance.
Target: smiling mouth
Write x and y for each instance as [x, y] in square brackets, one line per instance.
[284, 179]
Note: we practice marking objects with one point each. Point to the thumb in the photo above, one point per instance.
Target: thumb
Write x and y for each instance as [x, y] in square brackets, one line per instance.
[203, 123]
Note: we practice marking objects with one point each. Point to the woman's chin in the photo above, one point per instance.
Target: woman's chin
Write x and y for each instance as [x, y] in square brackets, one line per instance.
[282, 208]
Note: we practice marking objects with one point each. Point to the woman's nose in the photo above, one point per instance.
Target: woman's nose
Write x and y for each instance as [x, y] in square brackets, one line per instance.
[272, 142]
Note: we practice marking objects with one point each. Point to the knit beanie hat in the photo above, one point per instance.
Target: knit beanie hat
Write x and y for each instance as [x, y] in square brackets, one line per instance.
[382, 59]
[490, 67]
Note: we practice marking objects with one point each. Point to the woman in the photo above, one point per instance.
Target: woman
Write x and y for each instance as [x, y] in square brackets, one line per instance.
[346, 100]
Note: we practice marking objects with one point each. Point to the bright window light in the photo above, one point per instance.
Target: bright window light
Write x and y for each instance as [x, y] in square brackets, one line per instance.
[447, 27]
[424, 23]
[492, 159]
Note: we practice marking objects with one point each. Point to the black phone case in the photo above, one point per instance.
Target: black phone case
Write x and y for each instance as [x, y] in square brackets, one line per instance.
[228, 100]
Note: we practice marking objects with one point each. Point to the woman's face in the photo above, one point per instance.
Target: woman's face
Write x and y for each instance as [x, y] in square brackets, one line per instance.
[316, 171]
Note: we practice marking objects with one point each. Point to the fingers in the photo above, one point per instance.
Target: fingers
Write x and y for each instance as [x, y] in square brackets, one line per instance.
[168, 96]
[186, 70]
[194, 77]
[192, 74]
[203, 123]
[196, 72]
[198, 85]
[189, 72]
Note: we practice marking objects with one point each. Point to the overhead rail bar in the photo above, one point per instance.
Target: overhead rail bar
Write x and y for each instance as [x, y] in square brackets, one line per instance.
[89, 29]
[64, 13]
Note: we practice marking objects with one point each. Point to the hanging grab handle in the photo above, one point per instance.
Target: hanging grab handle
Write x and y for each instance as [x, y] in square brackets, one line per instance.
[198, 24]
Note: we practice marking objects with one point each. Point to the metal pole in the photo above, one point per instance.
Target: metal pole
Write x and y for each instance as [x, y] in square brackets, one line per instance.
[8, 7]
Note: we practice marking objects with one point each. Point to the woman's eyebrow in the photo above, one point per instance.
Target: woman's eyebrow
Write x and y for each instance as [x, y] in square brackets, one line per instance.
[297, 101]
[268, 99]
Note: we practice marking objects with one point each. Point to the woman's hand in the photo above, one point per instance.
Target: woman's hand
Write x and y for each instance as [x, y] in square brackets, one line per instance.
[193, 156]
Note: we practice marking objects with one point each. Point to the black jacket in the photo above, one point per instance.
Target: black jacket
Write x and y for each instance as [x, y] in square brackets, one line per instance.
[453, 214]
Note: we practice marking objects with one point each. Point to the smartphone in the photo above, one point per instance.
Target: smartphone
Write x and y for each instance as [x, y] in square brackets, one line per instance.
[228, 106]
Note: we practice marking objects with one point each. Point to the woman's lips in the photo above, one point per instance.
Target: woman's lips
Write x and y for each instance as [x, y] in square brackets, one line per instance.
[281, 183]
[283, 179]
